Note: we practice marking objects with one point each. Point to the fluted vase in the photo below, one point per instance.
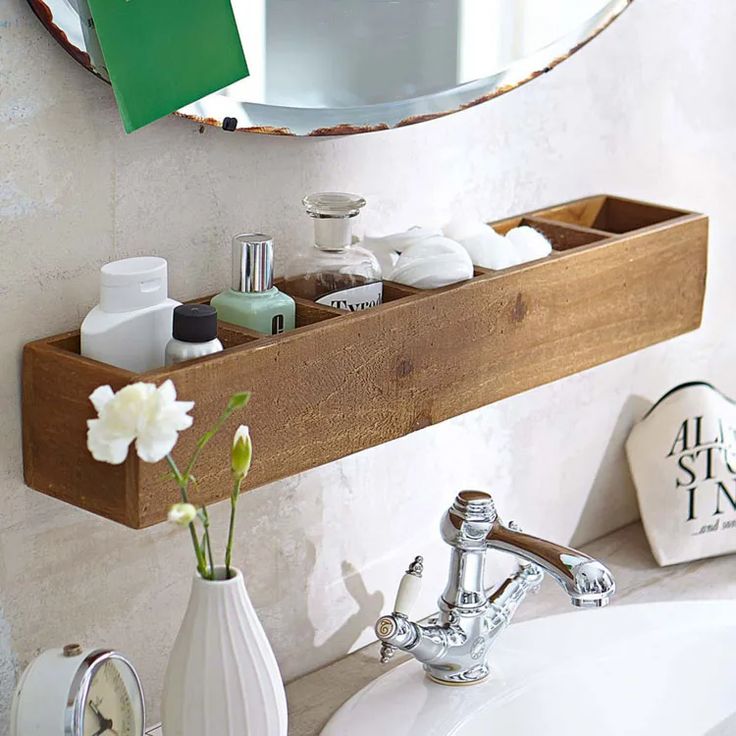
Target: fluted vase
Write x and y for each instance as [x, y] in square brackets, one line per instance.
[222, 678]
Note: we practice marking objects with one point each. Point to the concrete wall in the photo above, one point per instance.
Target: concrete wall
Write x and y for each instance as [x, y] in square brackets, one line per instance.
[645, 111]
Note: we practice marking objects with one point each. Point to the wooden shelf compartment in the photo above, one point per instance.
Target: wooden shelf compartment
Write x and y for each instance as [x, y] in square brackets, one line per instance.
[623, 275]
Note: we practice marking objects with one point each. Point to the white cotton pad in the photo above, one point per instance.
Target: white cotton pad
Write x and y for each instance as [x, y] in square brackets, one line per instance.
[388, 248]
[432, 263]
[528, 243]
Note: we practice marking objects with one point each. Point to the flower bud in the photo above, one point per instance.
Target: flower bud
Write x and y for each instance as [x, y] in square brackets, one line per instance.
[182, 514]
[242, 452]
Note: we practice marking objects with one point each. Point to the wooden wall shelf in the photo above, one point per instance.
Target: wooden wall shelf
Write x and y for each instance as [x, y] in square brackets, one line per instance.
[623, 275]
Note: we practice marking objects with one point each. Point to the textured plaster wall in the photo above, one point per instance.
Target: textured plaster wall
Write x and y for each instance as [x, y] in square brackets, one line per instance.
[645, 111]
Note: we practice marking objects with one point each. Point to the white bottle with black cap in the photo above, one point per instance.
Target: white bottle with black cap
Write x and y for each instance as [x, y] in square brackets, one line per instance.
[253, 301]
[194, 333]
[131, 325]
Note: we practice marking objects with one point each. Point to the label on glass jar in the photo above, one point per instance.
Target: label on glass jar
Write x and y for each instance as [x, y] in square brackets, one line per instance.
[355, 298]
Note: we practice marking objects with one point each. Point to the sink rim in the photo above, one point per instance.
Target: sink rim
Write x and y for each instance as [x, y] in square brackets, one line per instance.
[408, 678]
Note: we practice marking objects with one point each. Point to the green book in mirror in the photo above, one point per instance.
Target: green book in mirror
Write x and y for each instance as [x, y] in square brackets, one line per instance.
[164, 54]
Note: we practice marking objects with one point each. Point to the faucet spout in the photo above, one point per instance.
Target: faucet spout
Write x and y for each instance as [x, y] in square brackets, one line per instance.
[454, 646]
[588, 582]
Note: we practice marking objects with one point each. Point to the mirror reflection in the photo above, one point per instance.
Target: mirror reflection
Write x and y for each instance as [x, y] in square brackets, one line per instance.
[338, 66]
[350, 53]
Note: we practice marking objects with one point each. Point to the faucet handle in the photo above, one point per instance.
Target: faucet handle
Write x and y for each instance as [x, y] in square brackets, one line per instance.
[409, 587]
[387, 651]
[406, 598]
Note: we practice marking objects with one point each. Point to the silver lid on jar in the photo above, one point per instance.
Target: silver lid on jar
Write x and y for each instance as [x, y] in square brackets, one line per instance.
[252, 262]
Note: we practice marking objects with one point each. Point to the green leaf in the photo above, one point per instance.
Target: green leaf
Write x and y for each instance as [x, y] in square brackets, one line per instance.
[238, 401]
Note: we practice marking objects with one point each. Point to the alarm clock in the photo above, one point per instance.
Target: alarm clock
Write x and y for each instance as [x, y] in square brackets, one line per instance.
[77, 692]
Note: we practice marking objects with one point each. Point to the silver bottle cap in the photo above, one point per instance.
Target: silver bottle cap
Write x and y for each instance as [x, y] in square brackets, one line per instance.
[252, 262]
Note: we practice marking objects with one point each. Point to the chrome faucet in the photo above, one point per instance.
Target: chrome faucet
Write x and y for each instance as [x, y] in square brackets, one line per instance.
[454, 646]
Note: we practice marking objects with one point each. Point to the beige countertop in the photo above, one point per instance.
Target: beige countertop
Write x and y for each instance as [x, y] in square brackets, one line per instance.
[315, 697]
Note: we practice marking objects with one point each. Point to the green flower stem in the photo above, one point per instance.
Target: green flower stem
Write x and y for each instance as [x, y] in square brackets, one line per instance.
[231, 531]
[203, 549]
[198, 551]
[206, 524]
[236, 402]
[204, 516]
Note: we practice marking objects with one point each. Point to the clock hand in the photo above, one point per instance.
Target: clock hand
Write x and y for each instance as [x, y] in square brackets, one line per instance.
[94, 709]
[105, 726]
[105, 723]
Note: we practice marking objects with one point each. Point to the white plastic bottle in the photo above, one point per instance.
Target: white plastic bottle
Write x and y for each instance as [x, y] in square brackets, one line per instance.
[132, 323]
[195, 333]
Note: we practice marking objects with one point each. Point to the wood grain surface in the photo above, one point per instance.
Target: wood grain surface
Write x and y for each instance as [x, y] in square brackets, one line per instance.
[341, 383]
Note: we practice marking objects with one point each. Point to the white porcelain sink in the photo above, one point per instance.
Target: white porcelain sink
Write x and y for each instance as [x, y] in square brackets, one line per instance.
[658, 668]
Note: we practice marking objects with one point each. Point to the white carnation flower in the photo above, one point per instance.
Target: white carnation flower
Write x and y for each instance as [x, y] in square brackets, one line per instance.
[141, 412]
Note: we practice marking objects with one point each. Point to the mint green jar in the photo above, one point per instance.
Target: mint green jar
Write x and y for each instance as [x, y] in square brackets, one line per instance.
[270, 312]
[253, 301]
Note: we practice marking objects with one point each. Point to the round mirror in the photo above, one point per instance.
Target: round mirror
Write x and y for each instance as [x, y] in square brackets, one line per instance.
[334, 67]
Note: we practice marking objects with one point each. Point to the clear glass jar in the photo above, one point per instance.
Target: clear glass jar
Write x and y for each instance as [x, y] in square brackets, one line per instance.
[335, 272]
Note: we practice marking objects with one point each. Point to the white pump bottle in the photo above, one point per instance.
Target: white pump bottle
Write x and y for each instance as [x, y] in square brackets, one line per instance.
[132, 323]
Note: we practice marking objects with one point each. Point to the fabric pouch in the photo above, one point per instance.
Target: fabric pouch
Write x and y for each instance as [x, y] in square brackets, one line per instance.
[682, 456]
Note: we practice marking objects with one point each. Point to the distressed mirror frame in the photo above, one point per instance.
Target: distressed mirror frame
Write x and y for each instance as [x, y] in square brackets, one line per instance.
[220, 111]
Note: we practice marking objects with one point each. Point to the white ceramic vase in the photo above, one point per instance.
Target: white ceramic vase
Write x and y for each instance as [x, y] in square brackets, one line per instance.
[222, 678]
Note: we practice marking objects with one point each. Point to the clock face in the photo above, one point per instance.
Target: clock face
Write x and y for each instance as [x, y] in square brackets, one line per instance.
[113, 704]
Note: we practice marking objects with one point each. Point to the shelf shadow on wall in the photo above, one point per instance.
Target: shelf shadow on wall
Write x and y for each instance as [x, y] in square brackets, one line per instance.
[370, 607]
[613, 479]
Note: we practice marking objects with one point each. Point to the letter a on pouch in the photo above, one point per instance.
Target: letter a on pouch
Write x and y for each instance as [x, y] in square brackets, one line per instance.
[164, 54]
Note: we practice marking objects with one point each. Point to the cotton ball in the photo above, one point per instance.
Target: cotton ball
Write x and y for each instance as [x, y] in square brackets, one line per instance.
[528, 243]
[485, 246]
[388, 248]
[432, 263]
[488, 249]
[460, 228]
